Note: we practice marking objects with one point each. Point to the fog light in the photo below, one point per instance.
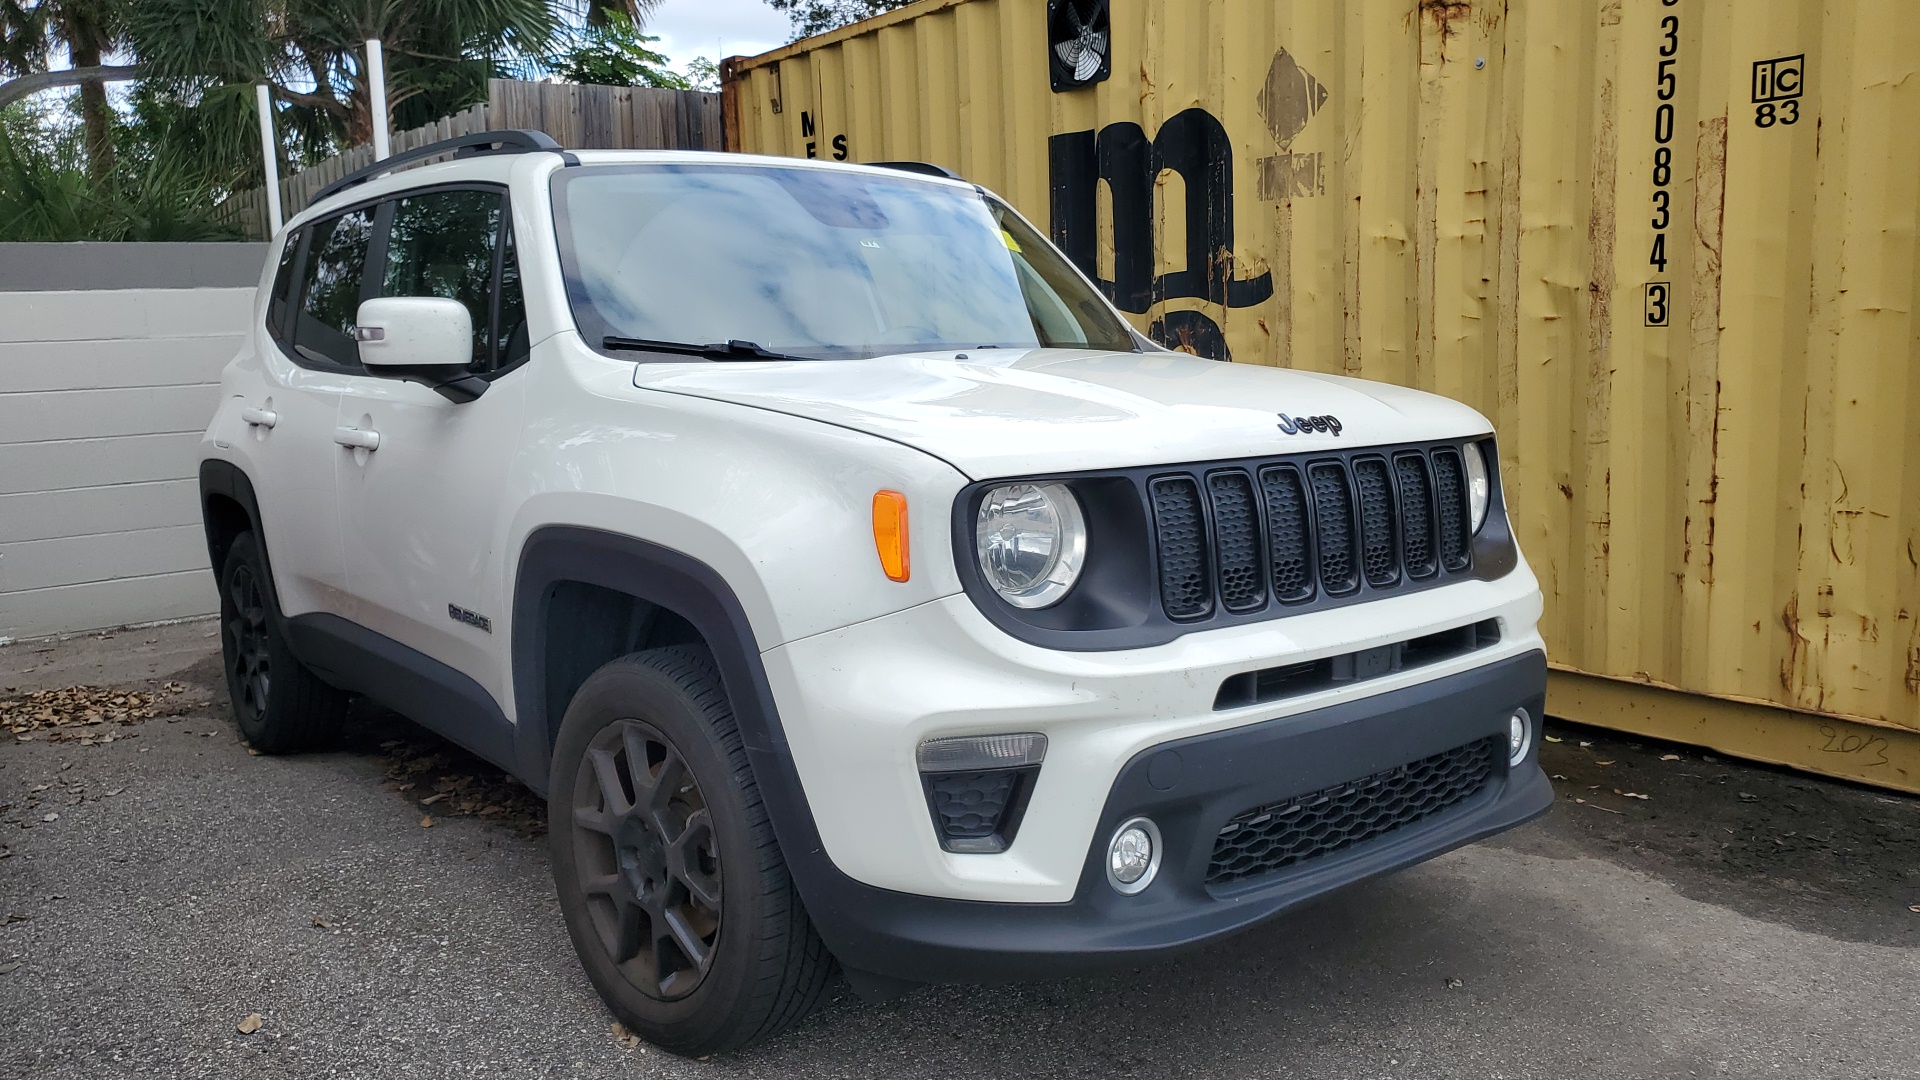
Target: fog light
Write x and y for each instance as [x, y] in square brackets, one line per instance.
[1519, 736]
[1133, 856]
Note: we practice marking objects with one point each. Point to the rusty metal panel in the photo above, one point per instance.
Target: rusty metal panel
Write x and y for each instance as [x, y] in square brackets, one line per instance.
[1667, 245]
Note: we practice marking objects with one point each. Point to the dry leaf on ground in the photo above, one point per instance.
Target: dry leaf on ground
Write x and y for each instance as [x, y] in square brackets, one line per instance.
[625, 1038]
[427, 822]
[62, 710]
[249, 1024]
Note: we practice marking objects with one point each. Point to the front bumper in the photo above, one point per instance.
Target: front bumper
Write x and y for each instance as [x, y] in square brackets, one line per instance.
[919, 938]
[855, 703]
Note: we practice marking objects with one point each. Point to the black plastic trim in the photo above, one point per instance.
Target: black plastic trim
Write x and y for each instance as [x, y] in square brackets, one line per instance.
[516, 141]
[408, 681]
[922, 167]
[222, 478]
[1117, 603]
[1213, 777]
[1011, 813]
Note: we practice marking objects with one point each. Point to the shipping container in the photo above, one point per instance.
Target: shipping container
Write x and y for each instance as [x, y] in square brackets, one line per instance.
[1668, 246]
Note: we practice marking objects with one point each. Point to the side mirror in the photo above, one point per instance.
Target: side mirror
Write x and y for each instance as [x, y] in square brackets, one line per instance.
[423, 339]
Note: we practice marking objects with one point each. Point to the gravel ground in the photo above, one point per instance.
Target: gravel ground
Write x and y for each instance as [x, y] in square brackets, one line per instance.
[1740, 921]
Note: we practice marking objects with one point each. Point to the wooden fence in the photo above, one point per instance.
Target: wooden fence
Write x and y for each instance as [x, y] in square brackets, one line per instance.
[578, 117]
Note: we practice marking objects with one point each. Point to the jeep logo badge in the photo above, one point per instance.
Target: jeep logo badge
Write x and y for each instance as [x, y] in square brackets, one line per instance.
[1297, 425]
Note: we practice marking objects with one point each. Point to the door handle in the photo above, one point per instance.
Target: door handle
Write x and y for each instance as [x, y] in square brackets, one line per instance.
[358, 438]
[265, 418]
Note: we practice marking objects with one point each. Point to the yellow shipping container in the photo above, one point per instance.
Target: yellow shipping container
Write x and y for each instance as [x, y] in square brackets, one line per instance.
[1667, 245]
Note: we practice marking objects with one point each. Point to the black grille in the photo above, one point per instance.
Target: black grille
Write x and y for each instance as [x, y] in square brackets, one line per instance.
[1377, 555]
[1270, 838]
[969, 804]
[1450, 490]
[978, 812]
[1416, 515]
[1236, 540]
[1185, 587]
[1288, 552]
[1236, 537]
[1333, 513]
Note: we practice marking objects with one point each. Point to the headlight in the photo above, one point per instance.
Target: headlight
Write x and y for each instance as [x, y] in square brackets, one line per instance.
[1479, 484]
[1032, 541]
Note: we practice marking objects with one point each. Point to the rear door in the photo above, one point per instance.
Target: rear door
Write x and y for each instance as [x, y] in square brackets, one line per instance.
[423, 515]
[307, 352]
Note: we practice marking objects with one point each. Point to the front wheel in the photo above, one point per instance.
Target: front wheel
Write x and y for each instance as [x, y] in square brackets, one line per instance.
[671, 881]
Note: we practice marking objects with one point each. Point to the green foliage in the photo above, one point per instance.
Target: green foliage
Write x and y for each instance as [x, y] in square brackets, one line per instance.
[703, 74]
[819, 16]
[47, 193]
[438, 53]
[613, 52]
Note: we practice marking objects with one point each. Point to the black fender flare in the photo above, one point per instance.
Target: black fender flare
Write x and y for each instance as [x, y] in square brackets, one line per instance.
[698, 593]
[224, 479]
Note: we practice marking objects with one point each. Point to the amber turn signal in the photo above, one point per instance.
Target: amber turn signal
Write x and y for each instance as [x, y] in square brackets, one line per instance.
[890, 533]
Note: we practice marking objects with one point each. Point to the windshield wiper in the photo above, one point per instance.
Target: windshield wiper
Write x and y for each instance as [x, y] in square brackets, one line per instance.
[733, 349]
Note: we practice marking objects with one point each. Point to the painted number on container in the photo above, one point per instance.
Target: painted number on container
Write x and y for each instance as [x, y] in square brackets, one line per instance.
[1871, 750]
[1659, 297]
[1777, 86]
[1659, 306]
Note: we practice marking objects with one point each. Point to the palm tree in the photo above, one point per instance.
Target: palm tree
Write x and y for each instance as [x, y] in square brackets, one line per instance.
[439, 53]
[88, 30]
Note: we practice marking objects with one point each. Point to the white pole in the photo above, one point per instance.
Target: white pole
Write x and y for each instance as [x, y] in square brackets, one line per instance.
[377, 93]
[270, 156]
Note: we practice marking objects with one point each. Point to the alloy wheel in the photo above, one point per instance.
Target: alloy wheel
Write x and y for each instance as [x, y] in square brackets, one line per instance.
[246, 632]
[648, 860]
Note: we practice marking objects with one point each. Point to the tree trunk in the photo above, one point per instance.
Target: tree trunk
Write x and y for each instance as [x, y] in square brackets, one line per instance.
[95, 113]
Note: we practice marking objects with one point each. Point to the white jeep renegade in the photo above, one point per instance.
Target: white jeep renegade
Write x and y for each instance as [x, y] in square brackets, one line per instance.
[853, 582]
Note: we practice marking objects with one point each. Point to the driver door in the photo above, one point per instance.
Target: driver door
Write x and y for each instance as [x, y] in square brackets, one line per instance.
[423, 514]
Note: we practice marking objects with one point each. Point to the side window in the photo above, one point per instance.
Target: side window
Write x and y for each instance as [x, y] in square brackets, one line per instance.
[441, 243]
[513, 308]
[282, 293]
[336, 268]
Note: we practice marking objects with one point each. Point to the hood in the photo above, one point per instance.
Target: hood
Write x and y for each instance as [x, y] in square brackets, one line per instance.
[1003, 412]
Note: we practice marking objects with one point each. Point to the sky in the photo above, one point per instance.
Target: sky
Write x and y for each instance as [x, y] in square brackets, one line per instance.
[716, 29]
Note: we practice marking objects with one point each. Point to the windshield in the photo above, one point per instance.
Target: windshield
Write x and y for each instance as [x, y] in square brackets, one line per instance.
[814, 262]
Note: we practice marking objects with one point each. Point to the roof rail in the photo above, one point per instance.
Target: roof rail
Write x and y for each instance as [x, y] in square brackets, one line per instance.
[921, 167]
[518, 141]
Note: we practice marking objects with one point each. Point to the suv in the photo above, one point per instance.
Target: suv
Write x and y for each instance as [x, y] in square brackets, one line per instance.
[856, 586]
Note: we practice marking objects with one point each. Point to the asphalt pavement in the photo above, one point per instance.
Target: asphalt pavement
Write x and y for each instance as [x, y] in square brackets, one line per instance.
[160, 888]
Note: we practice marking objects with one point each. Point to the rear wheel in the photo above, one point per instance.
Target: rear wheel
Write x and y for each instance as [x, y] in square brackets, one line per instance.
[669, 875]
[280, 706]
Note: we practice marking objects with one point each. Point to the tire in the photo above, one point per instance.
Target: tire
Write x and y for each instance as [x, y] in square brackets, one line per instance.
[684, 915]
[279, 705]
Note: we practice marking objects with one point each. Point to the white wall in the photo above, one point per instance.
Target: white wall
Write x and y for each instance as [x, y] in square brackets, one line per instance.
[103, 395]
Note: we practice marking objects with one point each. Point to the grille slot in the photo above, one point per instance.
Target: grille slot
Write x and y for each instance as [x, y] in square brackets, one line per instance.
[1270, 838]
[1333, 518]
[1416, 516]
[1289, 552]
[1180, 527]
[1378, 558]
[1450, 490]
[1236, 541]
